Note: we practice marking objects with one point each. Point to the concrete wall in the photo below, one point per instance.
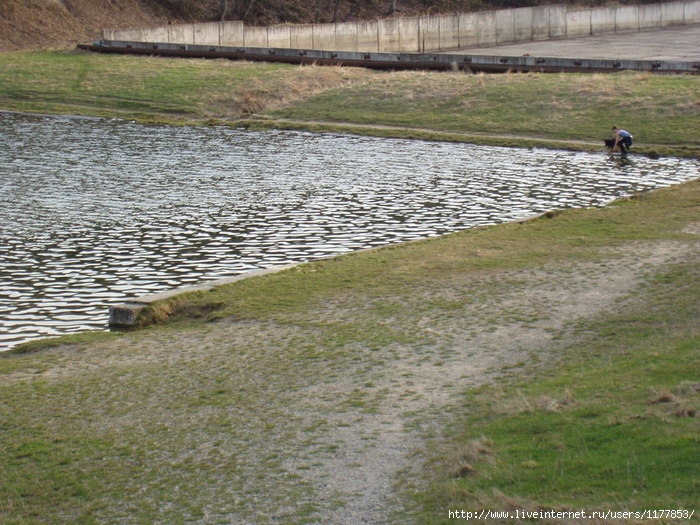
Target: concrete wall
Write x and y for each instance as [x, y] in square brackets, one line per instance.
[302, 37]
[207, 34]
[486, 28]
[389, 33]
[367, 32]
[427, 33]
[231, 33]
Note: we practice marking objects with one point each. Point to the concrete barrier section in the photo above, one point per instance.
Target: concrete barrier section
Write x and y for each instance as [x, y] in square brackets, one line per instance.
[691, 12]
[603, 20]
[207, 34]
[557, 21]
[279, 36]
[672, 14]
[302, 36]
[578, 23]
[409, 35]
[160, 34]
[346, 37]
[467, 30]
[367, 32]
[323, 36]
[429, 37]
[522, 24]
[232, 33]
[181, 34]
[153, 34]
[131, 35]
[650, 16]
[505, 26]
[627, 18]
[388, 35]
[255, 37]
[486, 28]
[449, 31]
[540, 23]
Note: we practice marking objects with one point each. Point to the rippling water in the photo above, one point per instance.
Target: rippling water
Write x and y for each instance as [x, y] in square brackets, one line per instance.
[94, 212]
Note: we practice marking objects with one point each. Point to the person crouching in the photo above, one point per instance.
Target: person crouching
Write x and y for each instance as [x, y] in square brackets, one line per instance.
[623, 140]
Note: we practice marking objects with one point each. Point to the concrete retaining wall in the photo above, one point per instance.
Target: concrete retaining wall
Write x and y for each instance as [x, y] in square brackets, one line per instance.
[427, 33]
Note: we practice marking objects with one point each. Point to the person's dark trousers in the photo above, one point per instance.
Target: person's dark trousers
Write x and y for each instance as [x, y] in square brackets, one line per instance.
[624, 144]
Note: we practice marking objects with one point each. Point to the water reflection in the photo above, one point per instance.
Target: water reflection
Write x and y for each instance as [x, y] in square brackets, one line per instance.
[94, 211]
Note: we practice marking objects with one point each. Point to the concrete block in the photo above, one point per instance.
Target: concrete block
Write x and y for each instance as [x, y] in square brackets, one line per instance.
[125, 316]
[367, 39]
[522, 24]
[505, 26]
[650, 16]
[388, 35]
[255, 37]
[157, 34]
[557, 21]
[467, 30]
[207, 34]
[232, 33]
[672, 14]
[540, 22]
[428, 34]
[279, 36]
[486, 28]
[691, 12]
[603, 20]
[627, 18]
[578, 23]
[324, 36]
[181, 34]
[127, 35]
[346, 36]
[150, 34]
[302, 36]
[409, 35]
[449, 31]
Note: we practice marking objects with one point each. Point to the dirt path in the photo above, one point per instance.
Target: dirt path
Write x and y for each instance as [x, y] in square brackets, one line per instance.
[414, 391]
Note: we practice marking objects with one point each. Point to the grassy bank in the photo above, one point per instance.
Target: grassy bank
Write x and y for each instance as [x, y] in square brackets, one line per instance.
[550, 110]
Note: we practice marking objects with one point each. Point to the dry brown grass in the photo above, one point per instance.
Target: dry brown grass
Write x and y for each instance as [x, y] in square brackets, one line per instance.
[471, 454]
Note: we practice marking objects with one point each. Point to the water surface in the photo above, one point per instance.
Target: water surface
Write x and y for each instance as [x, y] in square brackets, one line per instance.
[94, 212]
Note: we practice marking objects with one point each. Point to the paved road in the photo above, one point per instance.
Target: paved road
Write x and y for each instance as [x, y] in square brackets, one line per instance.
[677, 44]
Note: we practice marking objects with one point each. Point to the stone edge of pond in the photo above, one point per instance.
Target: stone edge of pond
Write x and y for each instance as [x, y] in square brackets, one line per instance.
[125, 316]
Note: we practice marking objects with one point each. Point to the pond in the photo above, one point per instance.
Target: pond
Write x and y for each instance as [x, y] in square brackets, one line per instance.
[95, 212]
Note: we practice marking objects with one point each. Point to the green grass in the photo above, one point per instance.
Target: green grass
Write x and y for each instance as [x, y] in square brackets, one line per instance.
[612, 425]
[608, 421]
[151, 90]
[546, 106]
